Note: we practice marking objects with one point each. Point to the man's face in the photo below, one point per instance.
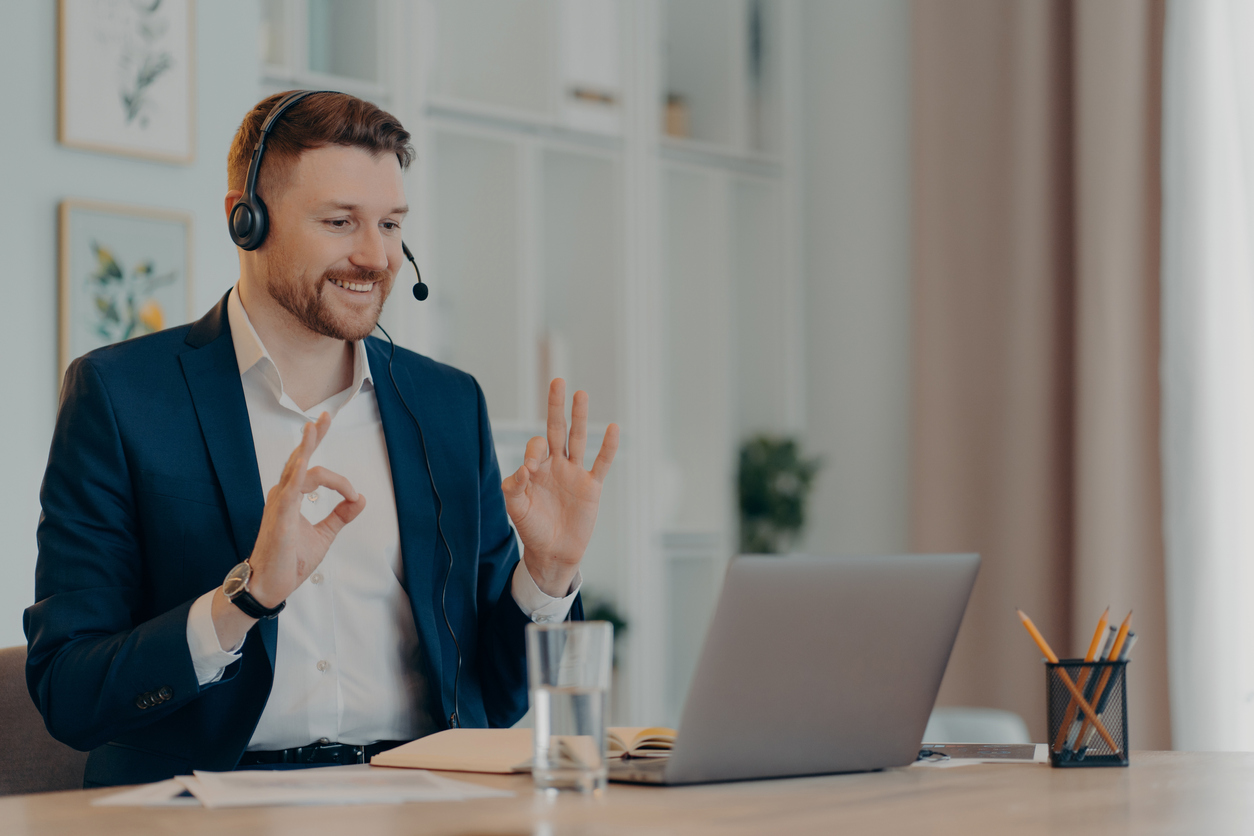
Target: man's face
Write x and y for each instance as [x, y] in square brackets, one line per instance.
[334, 245]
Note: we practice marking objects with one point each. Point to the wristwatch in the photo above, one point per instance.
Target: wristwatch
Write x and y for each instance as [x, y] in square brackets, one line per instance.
[235, 587]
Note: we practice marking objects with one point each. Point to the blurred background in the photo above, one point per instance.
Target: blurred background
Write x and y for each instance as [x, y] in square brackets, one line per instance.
[854, 276]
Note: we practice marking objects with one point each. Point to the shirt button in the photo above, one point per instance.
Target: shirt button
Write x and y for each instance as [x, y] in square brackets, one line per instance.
[323, 665]
[543, 619]
[313, 497]
[316, 577]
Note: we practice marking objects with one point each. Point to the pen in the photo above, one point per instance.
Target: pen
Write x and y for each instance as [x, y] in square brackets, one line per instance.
[1066, 680]
[1094, 647]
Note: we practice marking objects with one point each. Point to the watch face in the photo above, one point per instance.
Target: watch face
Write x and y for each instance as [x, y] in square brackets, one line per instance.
[237, 579]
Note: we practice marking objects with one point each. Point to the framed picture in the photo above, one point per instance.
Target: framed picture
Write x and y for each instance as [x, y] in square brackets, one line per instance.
[125, 271]
[127, 77]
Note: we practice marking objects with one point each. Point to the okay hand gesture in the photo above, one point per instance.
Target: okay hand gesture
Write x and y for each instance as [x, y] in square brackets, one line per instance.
[552, 500]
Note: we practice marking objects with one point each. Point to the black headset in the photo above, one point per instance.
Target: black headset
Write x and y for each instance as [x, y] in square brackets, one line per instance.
[249, 221]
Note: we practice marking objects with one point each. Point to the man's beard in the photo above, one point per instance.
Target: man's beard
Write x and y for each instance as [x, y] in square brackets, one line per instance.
[307, 304]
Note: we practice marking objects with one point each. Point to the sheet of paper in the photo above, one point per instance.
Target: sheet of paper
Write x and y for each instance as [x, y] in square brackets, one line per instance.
[355, 784]
[968, 754]
[168, 793]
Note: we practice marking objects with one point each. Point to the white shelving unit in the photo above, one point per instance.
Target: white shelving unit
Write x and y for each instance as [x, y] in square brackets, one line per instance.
[342, 45]
[564, 233]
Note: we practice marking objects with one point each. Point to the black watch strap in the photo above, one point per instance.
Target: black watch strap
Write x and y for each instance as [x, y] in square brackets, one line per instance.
[252, 608]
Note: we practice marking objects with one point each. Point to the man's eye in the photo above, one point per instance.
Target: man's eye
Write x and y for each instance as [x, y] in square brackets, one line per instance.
[338, 223]
[391, 225]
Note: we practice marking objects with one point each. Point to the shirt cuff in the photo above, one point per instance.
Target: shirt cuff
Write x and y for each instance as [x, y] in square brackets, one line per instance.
[208, 657]
[535, 603]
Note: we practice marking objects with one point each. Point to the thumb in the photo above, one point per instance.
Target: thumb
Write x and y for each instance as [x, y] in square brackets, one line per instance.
[515, 484]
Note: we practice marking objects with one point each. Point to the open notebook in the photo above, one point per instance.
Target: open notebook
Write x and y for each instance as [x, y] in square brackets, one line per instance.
[639, 741]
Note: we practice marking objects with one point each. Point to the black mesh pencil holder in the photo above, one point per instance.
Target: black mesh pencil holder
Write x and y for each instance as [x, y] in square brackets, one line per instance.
[1074, 739]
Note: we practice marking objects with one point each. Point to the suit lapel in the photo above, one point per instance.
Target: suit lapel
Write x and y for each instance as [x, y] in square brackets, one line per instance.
[415, 503]
[212, 375]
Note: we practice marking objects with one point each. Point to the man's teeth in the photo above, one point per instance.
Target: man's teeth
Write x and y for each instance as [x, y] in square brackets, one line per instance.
[362, 288]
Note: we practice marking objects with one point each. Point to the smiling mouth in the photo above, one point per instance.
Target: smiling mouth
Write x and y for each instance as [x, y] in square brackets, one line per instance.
[356, 287]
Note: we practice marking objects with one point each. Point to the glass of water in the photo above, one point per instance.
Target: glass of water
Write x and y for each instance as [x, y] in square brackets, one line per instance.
[568, 665]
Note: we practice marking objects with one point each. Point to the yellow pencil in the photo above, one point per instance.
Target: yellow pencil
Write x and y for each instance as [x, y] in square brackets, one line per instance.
[1095, 647]
[1066, 680]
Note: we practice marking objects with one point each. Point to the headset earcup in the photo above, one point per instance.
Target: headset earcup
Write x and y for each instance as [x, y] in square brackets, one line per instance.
[248, 223]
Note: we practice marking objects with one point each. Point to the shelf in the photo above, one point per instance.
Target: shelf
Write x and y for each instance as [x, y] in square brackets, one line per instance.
[711, 155]
[344, 39]
[327, 45]
[455, 113]
[723, 65]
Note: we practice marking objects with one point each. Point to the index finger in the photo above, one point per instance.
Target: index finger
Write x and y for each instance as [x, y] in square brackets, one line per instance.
[605, 458]
[311, 436]
[310, 439]
[320, 429]
[294, 469]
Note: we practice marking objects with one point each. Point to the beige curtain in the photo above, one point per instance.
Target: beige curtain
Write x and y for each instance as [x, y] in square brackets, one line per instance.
[1036, 237]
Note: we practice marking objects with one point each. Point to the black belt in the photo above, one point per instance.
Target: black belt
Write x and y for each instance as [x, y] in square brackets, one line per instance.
[324, 751]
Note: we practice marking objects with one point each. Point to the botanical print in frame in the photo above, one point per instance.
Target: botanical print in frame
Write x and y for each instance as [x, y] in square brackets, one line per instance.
[127, 76]
[125, 272]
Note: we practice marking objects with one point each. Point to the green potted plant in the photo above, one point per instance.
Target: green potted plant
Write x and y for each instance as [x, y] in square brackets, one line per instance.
[774, 483]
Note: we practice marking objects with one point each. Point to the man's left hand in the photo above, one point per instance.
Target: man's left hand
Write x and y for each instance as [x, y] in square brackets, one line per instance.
[552, 499]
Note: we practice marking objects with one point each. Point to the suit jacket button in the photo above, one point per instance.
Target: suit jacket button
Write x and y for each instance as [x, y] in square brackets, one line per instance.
[141, 702]
[165, 693]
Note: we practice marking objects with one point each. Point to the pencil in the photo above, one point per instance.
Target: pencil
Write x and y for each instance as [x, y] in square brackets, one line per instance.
[1066, 680]
[1094, 646]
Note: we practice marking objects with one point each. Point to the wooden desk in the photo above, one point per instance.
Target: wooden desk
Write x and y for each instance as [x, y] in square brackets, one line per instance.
[1162, 792]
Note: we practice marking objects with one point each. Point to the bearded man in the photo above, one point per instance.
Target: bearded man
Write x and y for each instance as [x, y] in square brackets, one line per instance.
[276, 456]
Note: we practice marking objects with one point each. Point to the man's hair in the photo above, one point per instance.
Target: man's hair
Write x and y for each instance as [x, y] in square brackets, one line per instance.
[313, 122]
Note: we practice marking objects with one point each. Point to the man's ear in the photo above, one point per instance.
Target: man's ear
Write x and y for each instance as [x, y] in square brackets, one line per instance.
[232, 197]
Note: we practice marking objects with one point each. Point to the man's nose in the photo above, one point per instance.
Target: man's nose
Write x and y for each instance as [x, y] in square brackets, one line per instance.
[370, 252]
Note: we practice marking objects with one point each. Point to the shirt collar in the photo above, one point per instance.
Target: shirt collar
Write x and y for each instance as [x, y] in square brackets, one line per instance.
[250, 353]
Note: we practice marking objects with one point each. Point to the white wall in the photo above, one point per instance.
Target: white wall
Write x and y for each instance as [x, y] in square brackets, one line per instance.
[35, 174]
[856, 159]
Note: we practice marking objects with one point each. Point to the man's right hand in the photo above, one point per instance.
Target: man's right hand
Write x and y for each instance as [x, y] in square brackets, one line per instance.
[288, 546]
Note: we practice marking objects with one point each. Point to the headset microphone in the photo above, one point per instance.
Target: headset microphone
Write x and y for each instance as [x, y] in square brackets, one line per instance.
[421, 291]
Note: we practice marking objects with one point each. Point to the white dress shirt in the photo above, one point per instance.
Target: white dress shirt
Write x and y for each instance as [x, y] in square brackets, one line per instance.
[347, 665]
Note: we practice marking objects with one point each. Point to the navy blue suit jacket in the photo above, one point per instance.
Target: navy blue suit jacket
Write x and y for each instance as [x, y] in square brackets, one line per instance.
[152, 494]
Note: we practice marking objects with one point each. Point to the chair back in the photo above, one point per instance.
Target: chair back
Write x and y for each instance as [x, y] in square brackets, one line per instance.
[32, 761]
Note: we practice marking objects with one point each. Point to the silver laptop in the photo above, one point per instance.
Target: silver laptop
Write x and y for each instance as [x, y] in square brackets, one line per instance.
[815, 665]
